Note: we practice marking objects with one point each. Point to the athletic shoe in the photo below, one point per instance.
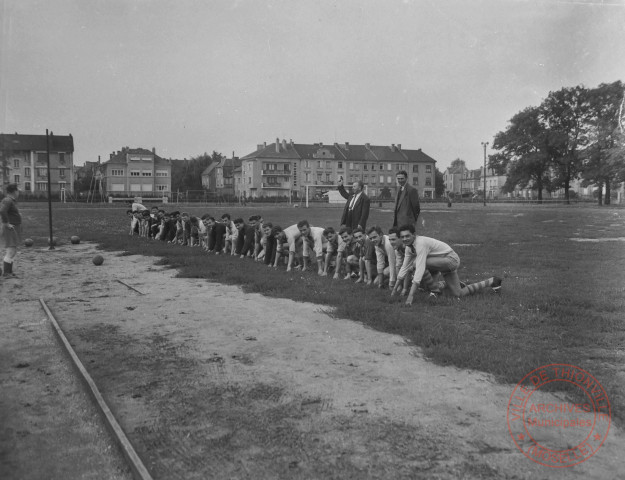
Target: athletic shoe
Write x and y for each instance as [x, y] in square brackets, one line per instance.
[434, 295]
[496, 286]
[462, 284]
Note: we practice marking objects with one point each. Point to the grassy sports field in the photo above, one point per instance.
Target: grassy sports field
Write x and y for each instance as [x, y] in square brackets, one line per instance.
[563, 293]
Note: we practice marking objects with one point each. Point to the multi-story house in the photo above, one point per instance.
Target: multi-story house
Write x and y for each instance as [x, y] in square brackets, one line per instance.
[24, 160]
[136, 172]
[286, 168]
[454, 178]
[218, 178]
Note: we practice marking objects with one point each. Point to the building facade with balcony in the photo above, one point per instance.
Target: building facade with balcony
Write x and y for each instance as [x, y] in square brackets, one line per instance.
[132, 172]
[286, 168]
[24, 161]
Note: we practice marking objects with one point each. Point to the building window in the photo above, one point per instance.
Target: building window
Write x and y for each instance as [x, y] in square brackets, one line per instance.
[415, 180]
[146, 173]
[27, 186]
[351, 165]
[428, 194]
[27, 172]
[381, 178]
[62, 185]
[373, 179]
[117, 173]
[62, 172]
[135, 173]
[161, 188]
[389, 166]
[365, 167]
[16, 179]
[16, 163]
[428, 181]
[372, 167]
[428, 169]
[42, 172]
[389, 179]
[381, 166]
[415, 169]
[318, 178]
[249, 180]
[61, 158]
[327, 177]
[162, 173]
[340, 165]
[328, 164]
[307, 164]
[42, 186]
[319, 164]
[41, 158]
[307, 177]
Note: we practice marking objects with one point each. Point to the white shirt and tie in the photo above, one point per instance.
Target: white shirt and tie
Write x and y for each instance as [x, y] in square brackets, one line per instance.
[353, 202]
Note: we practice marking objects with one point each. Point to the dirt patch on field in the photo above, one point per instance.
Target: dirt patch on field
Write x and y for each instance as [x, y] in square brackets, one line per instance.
[210, 382]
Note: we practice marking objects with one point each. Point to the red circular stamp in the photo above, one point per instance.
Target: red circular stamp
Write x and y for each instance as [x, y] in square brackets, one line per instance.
[556, 433]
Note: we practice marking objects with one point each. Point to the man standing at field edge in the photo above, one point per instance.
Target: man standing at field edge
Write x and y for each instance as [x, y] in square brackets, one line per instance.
[407, 206]
[11, 228]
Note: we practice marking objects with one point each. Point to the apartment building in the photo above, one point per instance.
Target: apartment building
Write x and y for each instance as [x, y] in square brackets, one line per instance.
[286, 168]
[24, 160]
[136, 172]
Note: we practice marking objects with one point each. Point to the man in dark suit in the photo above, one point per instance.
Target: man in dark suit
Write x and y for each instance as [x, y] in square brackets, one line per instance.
[356, 211]
[407, 207]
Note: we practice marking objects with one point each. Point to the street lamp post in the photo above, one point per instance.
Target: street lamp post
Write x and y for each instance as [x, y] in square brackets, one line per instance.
[484, 144]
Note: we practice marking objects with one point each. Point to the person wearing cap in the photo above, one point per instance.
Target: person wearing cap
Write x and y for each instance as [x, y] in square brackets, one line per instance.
[10, 229]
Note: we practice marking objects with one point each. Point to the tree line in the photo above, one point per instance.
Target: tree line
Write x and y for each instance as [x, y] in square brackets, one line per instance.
[575, 133]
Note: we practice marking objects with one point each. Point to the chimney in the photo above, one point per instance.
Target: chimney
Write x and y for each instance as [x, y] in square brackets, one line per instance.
[392, 147]
[284, 144]
[399, 146]
[346, 145]
[367, 146]
[321, 144]
[291, 141]
[154, 150]
[277, 145]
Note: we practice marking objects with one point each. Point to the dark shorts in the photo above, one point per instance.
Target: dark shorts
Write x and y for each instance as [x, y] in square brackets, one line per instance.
[10, 237]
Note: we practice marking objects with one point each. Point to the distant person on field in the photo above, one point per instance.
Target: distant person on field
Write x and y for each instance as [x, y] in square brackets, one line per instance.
[407, 206]
[356, 210]
[10, 229]
[431, 255]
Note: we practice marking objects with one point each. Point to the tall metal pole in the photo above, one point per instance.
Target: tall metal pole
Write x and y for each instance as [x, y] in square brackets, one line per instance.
[484, 144]
[51, 242]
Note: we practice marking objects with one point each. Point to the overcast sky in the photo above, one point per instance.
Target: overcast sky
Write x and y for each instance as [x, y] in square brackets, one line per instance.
[193, 76]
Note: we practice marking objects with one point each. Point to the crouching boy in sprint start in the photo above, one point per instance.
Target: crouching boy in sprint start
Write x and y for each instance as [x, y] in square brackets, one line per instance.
[431, 255]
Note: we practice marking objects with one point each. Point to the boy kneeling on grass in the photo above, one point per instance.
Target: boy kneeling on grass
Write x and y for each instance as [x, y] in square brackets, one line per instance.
[431, 255]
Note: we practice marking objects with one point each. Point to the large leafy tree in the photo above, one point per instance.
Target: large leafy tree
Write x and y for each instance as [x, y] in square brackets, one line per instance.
[439, 183]
[566, 114]
[524, 152]
[458, 163]
[603, 163]
[187, 174]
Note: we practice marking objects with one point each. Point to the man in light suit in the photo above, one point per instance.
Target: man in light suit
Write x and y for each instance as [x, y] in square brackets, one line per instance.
[356, 211]
[407, 205]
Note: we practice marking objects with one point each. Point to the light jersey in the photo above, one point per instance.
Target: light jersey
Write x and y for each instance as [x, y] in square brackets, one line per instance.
[292, 234]
[319, 241]
[385, 254]
[424, 247]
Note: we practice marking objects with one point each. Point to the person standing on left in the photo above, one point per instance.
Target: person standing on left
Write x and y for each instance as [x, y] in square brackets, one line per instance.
[356, 210]
[11, 228]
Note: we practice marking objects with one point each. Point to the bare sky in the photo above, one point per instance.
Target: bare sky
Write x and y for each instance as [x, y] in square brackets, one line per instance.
[193, 76]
